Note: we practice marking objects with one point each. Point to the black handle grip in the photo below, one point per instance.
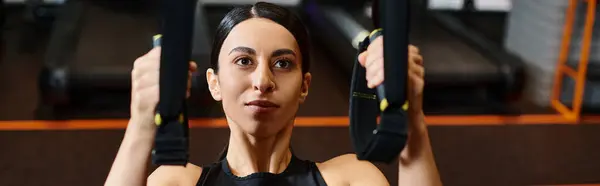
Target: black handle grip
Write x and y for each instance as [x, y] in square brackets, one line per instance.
[384, 141]
[171, 144]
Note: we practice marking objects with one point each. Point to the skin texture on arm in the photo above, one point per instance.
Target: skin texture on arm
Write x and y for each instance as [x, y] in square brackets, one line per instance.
[175, 175]
[417, 164]
[348, 170]
[129, 167]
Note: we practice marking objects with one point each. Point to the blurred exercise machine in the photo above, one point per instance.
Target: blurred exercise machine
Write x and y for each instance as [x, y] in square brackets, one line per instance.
[91, 51]
[92, 48]
[459, 61]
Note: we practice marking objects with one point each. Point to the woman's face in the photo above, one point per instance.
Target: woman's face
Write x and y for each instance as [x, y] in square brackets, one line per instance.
[260, 80]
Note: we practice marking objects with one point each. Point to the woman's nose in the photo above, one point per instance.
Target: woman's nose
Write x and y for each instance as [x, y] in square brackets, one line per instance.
[263, 79]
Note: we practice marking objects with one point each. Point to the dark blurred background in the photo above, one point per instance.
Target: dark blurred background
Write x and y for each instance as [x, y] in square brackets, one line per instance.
[69, 59]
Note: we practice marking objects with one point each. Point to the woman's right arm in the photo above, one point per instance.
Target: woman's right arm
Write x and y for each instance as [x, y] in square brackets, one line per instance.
[130, 165]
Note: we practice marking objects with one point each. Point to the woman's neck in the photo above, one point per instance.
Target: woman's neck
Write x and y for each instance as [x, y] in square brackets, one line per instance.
[247, 154]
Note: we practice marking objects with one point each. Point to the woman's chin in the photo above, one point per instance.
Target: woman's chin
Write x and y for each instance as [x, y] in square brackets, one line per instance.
[263, 128]
[261, 131]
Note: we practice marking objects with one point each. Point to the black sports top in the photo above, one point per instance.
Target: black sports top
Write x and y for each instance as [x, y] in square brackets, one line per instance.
[298, 172]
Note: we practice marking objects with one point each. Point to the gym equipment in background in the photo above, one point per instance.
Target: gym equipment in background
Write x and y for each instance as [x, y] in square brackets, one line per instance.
[91, 52]
[93, 46]
[479, 5]
[462, 67]
[536, 34]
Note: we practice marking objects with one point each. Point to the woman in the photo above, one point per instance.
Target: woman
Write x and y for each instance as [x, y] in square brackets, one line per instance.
[260, 73]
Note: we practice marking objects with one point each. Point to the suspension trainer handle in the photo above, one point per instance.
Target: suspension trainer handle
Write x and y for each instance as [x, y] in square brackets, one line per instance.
[383, 142]
[171, 143]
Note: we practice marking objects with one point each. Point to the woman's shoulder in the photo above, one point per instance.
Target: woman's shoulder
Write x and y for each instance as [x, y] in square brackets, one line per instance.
[347, 169]
[175, 175]
[347, 162]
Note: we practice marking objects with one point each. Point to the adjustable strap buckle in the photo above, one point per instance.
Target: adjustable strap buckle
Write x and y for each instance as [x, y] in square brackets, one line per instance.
[171, 144]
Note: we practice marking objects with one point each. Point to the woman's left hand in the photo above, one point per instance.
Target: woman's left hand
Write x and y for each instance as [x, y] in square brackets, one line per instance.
[372, 60]
[417, 164]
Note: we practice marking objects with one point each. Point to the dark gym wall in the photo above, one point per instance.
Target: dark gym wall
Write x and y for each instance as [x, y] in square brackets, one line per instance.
[474, 155]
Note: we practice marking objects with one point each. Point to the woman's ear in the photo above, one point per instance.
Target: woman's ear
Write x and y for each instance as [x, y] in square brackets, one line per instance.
[305, 84]
[213, 84]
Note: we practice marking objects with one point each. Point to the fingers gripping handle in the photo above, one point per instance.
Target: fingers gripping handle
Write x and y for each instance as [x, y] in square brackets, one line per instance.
[383, 102]
[384, 141]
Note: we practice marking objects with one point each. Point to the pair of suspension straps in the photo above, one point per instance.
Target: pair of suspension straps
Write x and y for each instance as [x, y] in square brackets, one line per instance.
[371, 141]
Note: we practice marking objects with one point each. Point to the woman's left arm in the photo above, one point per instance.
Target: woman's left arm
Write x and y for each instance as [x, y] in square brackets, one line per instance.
[417, 164]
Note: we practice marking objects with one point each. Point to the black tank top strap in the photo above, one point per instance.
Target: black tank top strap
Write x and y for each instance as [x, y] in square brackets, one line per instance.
[213, 168]
[316, 174]
[298, 172]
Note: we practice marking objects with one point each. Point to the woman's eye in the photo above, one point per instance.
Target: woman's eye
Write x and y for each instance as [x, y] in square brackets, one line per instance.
[283, 64]
[243, 62]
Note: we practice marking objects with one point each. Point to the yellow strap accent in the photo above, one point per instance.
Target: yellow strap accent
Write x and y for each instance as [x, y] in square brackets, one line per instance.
[375, 31]
[157, 36]
[157, 119]
[405, 106]
[384, 104]
[180, 118]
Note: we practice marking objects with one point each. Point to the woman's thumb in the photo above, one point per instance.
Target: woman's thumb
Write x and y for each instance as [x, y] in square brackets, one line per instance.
[362, 58]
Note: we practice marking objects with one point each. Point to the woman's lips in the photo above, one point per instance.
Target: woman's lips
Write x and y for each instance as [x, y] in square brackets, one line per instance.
[261, 106]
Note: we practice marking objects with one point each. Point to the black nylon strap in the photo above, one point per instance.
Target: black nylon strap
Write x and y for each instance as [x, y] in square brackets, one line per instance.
[395, 21]
[171, 140]
[383, 142]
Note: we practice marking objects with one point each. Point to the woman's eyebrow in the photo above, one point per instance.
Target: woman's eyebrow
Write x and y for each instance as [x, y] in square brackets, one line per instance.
[282, 52]
[242, 49]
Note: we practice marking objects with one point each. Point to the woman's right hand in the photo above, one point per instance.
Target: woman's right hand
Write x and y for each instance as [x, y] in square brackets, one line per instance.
[145, 86]
[130, 165]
